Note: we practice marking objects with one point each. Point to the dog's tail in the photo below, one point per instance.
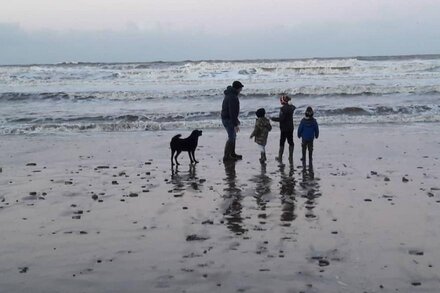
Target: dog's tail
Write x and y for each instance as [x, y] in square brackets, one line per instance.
[175, 138]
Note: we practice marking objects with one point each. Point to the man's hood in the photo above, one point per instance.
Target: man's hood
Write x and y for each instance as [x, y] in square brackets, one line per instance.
[230, 91]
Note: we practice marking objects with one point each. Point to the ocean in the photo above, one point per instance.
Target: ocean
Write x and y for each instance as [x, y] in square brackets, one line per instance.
[112, 97]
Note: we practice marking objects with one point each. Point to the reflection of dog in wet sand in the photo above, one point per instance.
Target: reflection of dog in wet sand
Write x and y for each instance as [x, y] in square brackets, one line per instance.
[188, 144]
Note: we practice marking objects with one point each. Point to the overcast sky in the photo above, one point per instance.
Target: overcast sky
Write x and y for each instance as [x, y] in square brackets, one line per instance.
[50, 31]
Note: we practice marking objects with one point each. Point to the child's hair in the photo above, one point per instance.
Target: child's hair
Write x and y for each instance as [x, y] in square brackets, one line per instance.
[284, 99]
[260, 112]
[309, 112]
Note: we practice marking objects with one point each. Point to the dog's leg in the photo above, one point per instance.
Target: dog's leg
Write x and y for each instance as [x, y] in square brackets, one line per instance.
[175, 157]
[194, 157]
[190, 157]
[172, 154]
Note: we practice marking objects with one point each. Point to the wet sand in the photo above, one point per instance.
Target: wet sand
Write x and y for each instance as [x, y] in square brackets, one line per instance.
[106, 213]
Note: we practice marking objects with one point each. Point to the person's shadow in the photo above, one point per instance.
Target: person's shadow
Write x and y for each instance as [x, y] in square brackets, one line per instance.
[287, 192]
[232, 200]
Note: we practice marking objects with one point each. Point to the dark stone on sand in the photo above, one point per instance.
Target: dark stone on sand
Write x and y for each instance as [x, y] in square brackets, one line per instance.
[404, 179]
[76, 217]
[430, 194]
[132, 194]
[416, 252]
[194, 237]
[31, 164]
[368, 199]
[114, 182]
[178, 195]
[373, 172]
[68, 182]
[23, 270]
[147, 163]
[416, 283]
[185, 208]
[386, 179]
[323, 263]
[94, 197]
[208, 222]
[1, 170]
[103, 167]
[83, 232]
[435, 188]
[33, 193]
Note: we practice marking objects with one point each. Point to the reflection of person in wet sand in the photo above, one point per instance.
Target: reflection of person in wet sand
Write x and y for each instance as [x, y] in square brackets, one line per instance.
[262, 187]
[232, 200]
[287, 192]
[310, 190]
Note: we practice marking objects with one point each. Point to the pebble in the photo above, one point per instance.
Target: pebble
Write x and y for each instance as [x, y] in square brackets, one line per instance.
[416, 283]
[323, 263]
[416, 252]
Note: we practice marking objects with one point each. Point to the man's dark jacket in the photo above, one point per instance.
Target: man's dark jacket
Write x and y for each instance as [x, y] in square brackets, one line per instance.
[231, 105]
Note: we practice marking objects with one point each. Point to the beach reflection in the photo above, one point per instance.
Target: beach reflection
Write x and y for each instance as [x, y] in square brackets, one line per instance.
[287, 192]
[232, 200]
[181, 178]
[310, 191]
[263, 184]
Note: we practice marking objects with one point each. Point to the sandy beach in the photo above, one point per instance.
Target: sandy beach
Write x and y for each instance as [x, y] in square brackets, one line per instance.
[105, 212]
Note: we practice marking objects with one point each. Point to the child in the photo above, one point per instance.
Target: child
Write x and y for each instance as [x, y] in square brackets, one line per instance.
[286, 126]
[261, 131]
[308, 130]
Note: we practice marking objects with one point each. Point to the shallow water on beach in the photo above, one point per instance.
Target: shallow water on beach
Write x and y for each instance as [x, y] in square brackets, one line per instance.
[107, 213]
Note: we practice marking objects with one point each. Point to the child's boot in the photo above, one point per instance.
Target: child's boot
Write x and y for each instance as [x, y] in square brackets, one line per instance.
[280, 154]
[291, 154]
[303, 159]
[263, 158]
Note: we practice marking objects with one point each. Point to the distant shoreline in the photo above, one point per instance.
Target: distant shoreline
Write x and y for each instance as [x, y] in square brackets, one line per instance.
[262, 60]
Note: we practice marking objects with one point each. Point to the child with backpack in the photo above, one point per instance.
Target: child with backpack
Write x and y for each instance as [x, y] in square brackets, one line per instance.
[261, 132]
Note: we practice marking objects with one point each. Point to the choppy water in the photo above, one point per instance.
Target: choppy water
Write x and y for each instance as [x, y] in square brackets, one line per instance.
[83, 97]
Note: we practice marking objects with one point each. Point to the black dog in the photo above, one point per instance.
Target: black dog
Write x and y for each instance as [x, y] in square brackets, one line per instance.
[188, 144]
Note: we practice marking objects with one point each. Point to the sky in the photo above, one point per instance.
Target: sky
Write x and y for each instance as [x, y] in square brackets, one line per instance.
[52, 31]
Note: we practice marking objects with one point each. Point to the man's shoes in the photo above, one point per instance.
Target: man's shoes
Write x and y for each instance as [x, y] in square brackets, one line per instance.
[237, 157]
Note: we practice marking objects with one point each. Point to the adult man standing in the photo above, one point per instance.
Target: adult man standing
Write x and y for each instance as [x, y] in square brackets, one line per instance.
[230, 111]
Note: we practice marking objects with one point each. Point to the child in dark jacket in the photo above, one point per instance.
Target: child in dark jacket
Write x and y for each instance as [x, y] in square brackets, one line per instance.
[308, 130]
[261, 132]
[285, 119]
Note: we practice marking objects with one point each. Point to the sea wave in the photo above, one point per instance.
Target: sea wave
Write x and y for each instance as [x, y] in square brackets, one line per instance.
[347, 91]
[211, 119]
